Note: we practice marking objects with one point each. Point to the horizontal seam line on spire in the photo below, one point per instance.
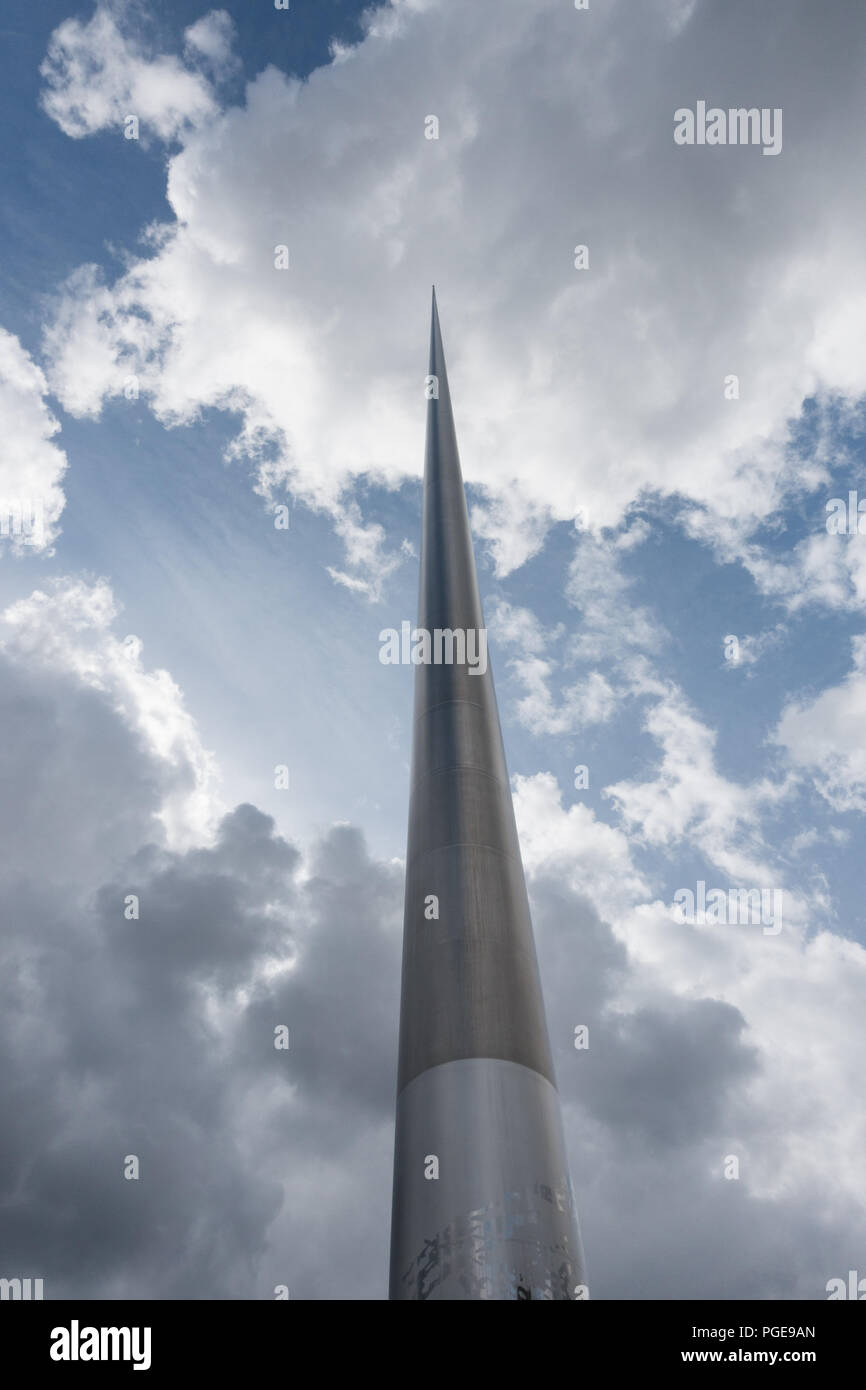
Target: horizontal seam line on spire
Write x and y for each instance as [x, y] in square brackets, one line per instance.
[481, 1057]
[455, 700]
[461, 767]
[465, 844]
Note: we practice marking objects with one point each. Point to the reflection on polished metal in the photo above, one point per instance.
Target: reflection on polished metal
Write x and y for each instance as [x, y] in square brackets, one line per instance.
[483, 1206]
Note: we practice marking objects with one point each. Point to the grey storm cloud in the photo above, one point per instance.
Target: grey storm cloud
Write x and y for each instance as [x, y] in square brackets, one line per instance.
[652, 1109]
[155, 1036]
[259, 1166]
[661, 1074]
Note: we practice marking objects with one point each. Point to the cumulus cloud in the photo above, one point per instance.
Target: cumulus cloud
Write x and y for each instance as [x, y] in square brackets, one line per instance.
[591, 857]
[820, 571]
[688, 798]
[162, 1048]
[150, 1031]
[612, 625]
[368, 561]
[152, 1035]
[589, 700]
[824, 736]
[705, 1041]
[31, 464]
[612, 630]
[318, 358]
[211, 39]
[99, 73]
[69, 629]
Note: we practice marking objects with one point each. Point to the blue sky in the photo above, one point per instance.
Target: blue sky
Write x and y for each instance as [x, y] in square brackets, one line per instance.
[628, 517]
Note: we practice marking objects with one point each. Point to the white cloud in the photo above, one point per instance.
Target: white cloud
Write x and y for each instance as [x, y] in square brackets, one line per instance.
[589, 700]
[212, 38]
[689, 800]
[576, 392]
[514, 527]
[612, 626]
[612, 629]
[593, 858]
[799, 993]
[31, 466]
[68, 630]
[821, 570]
[515, 626]
[366, 554]
[97, 74]
[824, 736]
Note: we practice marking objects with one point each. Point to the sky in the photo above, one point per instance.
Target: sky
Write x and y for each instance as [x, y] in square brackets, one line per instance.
[218, 235]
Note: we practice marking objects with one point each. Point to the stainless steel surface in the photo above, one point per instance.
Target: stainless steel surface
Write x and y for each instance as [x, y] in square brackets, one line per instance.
[470, 987]
[470, 979]
[498, 1222]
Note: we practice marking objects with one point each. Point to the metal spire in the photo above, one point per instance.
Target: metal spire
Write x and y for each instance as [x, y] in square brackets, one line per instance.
[483, 1207]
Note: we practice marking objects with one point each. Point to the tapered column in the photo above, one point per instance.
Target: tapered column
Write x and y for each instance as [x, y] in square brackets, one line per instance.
[482, 1206]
